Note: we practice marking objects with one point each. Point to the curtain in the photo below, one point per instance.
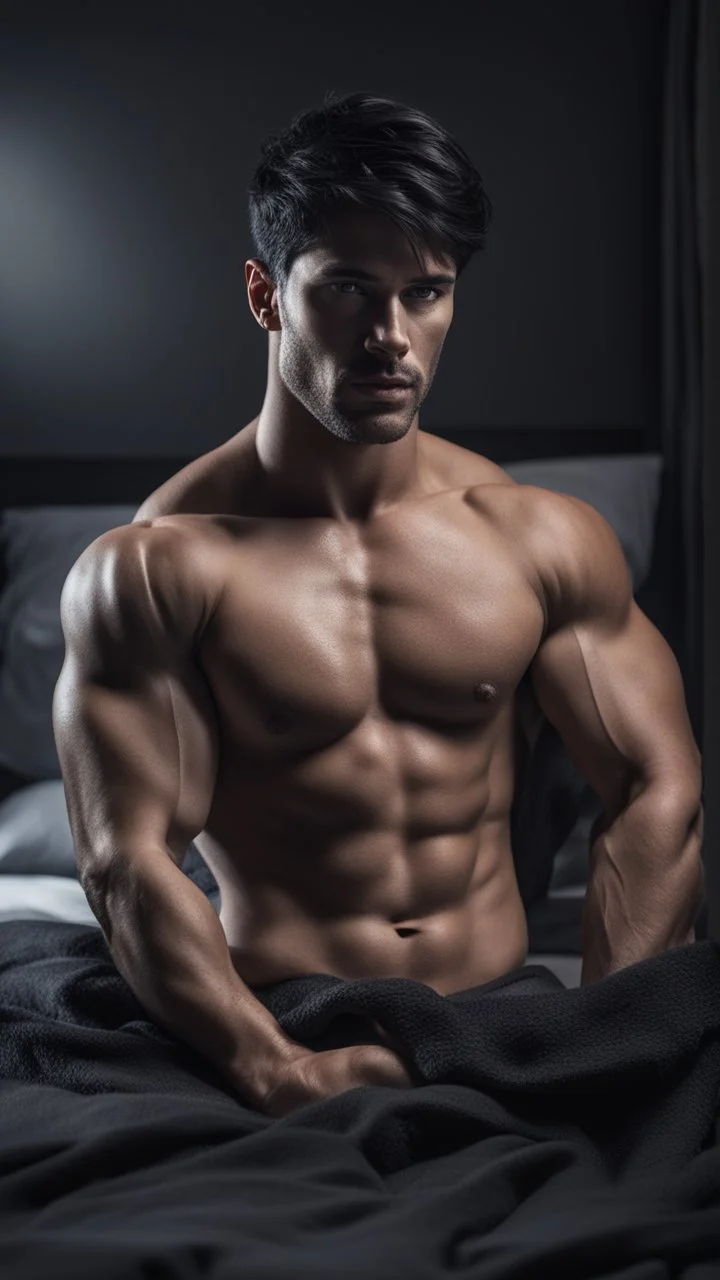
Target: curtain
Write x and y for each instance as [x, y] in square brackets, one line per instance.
[708, 188]
[681, 353]
[690, 386]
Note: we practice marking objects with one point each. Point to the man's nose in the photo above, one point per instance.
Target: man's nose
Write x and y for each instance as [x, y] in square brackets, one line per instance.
[389, 338]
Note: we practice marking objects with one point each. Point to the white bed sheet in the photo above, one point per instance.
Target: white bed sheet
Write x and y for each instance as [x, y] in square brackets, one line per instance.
[44, 898]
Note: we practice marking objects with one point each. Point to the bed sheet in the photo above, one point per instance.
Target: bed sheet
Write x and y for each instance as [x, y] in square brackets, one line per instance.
[547, 1132]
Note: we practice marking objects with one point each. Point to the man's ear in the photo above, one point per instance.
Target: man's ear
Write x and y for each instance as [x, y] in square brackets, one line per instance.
[262, 294]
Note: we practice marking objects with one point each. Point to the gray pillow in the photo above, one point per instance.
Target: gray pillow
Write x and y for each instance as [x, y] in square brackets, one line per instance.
[35, 835]
[40, 545]
[36, 839]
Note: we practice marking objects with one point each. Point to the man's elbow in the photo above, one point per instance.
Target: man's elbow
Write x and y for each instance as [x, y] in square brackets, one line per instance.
[680, 810]
[677, 792]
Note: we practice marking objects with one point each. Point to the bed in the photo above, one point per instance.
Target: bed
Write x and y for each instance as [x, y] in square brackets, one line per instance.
[551, 1130]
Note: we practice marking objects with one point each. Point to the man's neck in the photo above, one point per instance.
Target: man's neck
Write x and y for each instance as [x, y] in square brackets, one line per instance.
[307, 471]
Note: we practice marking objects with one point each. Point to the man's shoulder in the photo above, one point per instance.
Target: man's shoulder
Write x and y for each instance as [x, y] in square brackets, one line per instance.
[559, 525]
[570, 551]
[163, 541]
[575, 554]
[208, 485]
[160, 566]
[456, 467]
[572, 538]
[520, 511]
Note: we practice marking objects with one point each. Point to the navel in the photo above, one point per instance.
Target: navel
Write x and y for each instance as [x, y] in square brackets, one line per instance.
[484, 692]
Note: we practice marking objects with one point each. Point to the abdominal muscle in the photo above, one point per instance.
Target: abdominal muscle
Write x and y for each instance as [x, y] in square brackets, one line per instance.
[275, 933]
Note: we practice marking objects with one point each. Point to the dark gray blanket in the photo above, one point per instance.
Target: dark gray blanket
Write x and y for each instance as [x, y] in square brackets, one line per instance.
[554, 1133]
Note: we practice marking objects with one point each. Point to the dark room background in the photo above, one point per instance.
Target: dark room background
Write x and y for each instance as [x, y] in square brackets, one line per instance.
[127, 146]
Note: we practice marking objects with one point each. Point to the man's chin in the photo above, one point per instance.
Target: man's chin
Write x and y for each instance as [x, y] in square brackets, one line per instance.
[382, 422]
[375, 428]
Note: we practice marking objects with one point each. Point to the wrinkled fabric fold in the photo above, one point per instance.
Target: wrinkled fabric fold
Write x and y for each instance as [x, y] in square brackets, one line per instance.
[550, 1130]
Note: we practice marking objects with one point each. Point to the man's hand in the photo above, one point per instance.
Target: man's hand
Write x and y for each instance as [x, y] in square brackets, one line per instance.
[307, 1076]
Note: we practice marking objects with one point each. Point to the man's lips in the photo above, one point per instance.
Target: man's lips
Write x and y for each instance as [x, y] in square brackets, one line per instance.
[383, 390]
[381, 382]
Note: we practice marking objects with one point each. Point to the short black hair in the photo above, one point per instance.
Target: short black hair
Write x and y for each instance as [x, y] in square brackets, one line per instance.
[373, 152]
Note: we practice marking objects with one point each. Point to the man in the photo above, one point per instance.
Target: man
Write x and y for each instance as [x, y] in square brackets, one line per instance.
[306, 653]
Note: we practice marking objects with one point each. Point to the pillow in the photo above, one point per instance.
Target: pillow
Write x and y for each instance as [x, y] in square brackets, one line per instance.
[36, 839]
[35, 835]
[41, 544]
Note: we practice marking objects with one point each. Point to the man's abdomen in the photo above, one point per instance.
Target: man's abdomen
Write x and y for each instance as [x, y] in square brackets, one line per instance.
[477, 935]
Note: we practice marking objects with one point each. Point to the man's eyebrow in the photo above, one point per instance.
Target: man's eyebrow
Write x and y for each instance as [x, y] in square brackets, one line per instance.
[340, 269]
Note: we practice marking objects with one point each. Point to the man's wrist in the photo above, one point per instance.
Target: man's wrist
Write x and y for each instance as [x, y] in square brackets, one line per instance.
[255, 1070]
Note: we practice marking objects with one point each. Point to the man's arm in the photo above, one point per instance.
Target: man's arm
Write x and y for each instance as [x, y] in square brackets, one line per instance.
[610, 684]
[137, 741]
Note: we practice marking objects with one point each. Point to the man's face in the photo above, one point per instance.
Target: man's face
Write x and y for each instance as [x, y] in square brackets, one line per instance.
[339, 326]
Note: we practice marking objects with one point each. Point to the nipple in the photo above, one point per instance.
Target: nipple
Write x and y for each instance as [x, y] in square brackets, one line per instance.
[484, 692]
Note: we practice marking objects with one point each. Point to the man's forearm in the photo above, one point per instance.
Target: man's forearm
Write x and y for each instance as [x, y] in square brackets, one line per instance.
[646, 884]
[167, 942]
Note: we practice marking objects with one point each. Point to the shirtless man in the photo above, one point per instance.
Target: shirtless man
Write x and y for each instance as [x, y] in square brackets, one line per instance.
[306, 654]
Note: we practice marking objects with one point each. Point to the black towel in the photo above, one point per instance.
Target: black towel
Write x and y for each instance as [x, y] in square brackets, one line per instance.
[555, 1133]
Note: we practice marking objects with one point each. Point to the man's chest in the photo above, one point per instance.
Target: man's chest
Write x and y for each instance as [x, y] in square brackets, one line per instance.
[428, 619]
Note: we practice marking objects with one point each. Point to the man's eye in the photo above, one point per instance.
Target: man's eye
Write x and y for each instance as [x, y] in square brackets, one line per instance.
[428, 289]
[343, 284]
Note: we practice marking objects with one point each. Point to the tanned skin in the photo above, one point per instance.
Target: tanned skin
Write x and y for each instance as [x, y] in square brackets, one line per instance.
[349, 631]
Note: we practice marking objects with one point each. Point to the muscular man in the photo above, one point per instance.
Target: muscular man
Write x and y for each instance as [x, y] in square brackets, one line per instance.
[306, 653]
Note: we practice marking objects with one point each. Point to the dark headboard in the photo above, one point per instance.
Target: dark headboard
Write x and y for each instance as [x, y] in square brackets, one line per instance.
[49, 481]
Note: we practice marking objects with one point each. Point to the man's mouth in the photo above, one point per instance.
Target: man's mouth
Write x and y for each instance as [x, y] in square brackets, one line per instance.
[383, 390]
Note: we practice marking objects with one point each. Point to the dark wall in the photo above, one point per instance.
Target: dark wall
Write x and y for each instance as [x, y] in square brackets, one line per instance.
[126, 146]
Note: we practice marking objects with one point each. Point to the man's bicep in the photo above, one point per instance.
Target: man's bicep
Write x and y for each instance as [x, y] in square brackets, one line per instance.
[614, 691]
[133, 725]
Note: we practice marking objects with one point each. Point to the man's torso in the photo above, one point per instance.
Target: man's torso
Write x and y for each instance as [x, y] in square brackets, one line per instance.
[364, 683]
